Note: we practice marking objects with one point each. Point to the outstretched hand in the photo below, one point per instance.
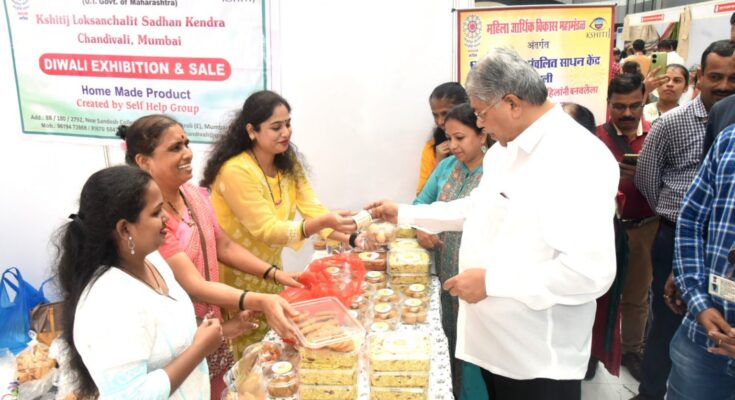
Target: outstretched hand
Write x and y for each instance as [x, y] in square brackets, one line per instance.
[386, 210]
[341, 221]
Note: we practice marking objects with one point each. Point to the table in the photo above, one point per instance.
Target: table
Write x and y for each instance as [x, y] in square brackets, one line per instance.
[440, 375]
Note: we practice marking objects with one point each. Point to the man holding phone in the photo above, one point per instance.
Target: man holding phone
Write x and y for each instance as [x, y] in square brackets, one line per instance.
[624, 135]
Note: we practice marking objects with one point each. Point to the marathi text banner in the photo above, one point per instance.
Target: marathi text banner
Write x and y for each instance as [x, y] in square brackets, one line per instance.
[569, 46]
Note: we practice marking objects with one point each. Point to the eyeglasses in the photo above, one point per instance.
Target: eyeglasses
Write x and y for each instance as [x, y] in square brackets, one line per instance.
[622, 107]
[481, 115]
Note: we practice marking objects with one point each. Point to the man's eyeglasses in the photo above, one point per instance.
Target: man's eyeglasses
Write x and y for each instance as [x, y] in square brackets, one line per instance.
[622, 107]
[481, 115]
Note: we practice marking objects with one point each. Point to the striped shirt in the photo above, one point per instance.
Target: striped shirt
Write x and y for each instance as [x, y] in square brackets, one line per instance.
[708, 211]
[670, 157]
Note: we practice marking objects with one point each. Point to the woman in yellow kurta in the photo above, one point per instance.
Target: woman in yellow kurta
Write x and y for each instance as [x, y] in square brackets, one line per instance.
[441, 100]
[257, 185]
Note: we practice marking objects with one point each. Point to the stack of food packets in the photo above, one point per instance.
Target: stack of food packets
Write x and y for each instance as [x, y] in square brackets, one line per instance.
[399, 365]
[330, 341]
[408, 265]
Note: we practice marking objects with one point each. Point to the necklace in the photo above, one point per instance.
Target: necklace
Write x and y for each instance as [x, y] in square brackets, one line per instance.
[158, 289]
[278, 176]
[190, 222]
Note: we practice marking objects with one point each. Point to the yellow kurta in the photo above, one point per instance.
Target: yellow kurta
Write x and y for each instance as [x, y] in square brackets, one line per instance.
[428, 163]
[247, 213]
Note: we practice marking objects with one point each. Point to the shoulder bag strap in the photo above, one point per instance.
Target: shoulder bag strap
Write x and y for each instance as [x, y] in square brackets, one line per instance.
[620, 142]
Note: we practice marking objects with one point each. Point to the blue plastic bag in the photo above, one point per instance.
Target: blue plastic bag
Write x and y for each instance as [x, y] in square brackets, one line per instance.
[17, 299]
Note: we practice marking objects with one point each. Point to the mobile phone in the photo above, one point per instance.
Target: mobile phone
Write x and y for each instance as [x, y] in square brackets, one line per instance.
[658, 59]
[630, 158]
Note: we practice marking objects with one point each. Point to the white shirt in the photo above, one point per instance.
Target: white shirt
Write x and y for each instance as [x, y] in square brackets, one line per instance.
[541, 223]
[127, 333]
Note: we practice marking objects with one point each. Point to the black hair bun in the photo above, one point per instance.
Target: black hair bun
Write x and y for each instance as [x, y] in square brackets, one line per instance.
[122, 131]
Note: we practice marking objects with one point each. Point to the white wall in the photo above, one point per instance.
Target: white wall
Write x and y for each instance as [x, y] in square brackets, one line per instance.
[357, 74]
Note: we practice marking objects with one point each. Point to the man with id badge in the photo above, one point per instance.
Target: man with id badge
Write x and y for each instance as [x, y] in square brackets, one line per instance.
[703, 348]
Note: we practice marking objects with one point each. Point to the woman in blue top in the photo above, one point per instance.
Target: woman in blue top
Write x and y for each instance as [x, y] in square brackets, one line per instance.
[455, 177]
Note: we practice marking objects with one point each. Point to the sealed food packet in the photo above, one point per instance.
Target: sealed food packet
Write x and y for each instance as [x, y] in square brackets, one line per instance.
[330, 341]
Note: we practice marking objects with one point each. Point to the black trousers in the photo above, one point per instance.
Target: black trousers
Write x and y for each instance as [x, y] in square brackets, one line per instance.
[502, 388]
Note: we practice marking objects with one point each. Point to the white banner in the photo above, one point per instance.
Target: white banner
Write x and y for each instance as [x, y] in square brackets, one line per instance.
[84, 67]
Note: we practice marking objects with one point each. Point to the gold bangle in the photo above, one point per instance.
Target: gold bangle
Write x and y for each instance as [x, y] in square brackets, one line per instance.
[303, 228]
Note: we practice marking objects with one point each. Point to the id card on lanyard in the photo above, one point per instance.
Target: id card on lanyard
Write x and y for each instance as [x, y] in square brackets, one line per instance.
[722, 287]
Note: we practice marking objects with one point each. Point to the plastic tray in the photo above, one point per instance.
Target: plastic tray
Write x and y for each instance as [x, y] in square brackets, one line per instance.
[320, 311]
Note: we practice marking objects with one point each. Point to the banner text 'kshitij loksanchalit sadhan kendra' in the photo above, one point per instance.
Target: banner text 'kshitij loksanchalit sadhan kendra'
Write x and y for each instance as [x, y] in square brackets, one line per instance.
[569, 46]
[83, 68]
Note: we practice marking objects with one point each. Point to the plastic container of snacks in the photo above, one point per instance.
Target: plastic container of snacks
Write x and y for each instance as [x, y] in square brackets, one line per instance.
[376, 279]
[323, 322]
[399, 351]
[405, 280]
[404, 243]
[409, 261]
[373, 260]
[413, 311]
[282, 380]
[417, 291]
[386, 312]
[381, 232]
[386, 296]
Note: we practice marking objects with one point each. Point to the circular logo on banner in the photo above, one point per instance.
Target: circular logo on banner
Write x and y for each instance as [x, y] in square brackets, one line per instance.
[472, 30]
[598, 24]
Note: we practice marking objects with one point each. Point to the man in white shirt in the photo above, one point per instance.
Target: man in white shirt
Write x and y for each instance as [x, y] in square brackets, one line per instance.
[538, 243]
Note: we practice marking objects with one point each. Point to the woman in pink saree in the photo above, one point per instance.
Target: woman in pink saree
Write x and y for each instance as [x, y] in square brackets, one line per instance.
[194, 242]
